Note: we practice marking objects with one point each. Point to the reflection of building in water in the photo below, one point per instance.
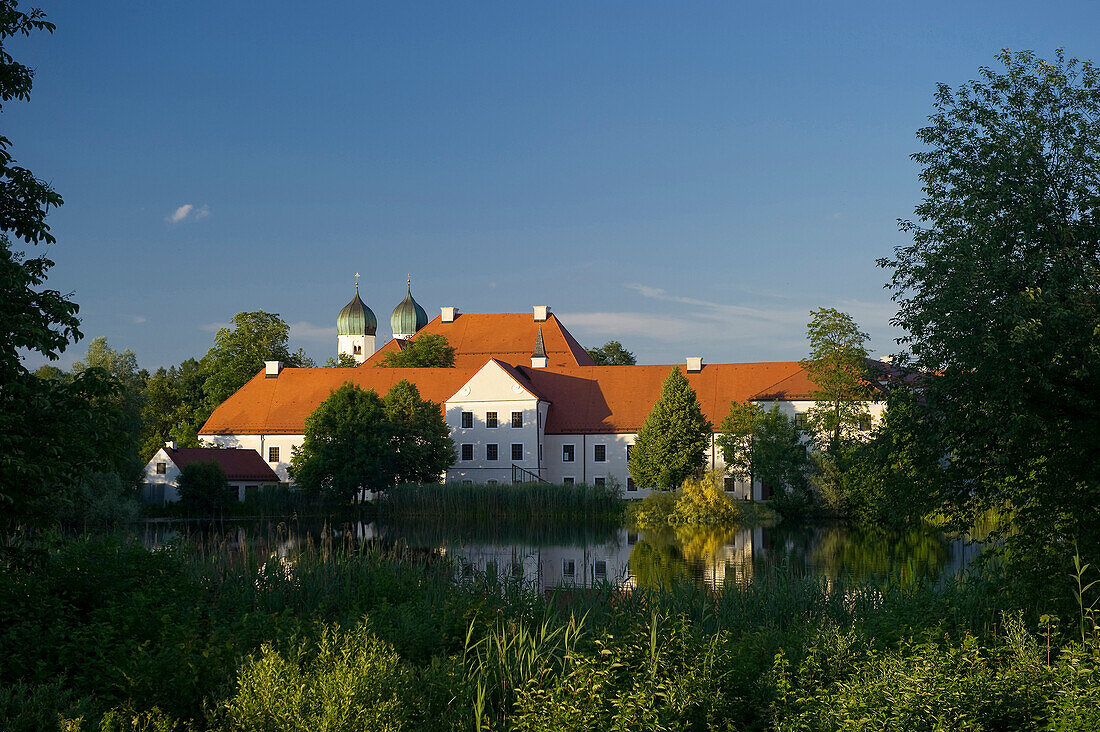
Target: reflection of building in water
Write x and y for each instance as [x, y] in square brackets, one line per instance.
[551, 566]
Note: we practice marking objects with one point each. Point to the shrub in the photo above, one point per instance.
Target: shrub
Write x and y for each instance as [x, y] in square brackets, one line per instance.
[204, 487]
[349, 681]
[702, 501]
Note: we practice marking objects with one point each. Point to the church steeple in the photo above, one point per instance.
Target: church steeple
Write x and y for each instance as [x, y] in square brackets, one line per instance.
[355, 328]
[408, 317]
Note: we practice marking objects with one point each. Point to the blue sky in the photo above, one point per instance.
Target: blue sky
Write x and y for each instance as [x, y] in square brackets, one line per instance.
[689, 178]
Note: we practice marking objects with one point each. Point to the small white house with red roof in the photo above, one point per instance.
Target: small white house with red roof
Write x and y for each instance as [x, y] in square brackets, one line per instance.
[244, 468]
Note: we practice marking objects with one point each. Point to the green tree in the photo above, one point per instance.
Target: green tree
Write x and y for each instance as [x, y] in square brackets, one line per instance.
[346, 447]
[419, 437]
[342, 361]
[34, 413]
[766, 446]
[672, 443]
[426, 350]
[129, 400]
[837, 364]
[175, 407]
[999, 293]
[611, 353]
[239, 353]
[204, 488]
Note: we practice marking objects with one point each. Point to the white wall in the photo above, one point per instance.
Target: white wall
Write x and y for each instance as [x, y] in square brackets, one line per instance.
[260, 443]
[164, 487]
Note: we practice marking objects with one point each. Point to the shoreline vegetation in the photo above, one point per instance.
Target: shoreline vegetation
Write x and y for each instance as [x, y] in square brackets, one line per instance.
[104, 634]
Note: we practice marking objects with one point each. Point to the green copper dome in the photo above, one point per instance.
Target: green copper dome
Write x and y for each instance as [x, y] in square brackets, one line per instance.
[408, 317]
[356, 318]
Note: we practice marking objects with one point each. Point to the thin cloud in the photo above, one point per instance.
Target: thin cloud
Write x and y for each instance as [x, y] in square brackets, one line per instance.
[307, 331]
[138, 319]
[213, 327]
[188, 212]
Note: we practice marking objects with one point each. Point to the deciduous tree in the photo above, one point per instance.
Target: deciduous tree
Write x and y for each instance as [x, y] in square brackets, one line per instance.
[611, 353]
[426, 350]
[672, 443]
[837, 364]
[999, 294]
[347, 446]
[419, 437]
[239, 353]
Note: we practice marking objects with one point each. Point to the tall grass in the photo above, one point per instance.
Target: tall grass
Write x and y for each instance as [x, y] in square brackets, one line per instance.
[333, 633]
[480, 502]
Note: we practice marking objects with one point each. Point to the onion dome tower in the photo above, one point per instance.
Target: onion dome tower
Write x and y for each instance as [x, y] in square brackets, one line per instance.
[355, 328]
[408, 317]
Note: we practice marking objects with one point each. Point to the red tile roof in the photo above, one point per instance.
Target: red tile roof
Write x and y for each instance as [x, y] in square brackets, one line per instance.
[510, 337]
[586, 399]
[619, 398]
[281, 405]
[238, 463]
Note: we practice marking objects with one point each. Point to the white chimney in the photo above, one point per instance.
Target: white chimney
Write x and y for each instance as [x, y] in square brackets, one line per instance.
[448, 314]
[542, 312]
[694, 364]
[272, 369]
[170, 444]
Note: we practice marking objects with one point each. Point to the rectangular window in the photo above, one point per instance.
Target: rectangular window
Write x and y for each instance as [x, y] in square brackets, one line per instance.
[162, 468]
[568, 481]
[865, 422]
[729, 484]
[567, 453]
[599, 453]
[491, 419]
[467, 451]
[628, 448]
[630, 485]
[600, 482]
[800, 420]
[491, 482]
[569, 567]
[517, 419]
[517, 451]
[600, 568]
[273, 454]
[490, 451]
[631, 538]
[467, 420]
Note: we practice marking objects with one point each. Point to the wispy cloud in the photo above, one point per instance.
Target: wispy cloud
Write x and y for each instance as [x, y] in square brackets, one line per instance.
[307, 331]
[213, 327]
[188, 212]
[138, 319]
[725, 329]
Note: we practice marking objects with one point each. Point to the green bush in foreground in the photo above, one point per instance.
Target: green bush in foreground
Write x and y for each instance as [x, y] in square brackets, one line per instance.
[106, 635]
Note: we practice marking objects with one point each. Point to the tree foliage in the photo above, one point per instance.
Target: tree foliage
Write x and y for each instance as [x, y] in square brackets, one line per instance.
[239, 353]
[35, 414]
[355, 440]
[611, 353]
[837, 364]
[766, 446]
[999, 293]
[420, 440]
[672, 443]
[341, 361]
[204, 488]
[425, 350]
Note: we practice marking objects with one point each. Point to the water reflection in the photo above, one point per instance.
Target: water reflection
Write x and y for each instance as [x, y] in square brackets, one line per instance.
[546, 557]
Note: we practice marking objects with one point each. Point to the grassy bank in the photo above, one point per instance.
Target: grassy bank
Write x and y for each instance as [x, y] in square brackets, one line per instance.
[111, 636]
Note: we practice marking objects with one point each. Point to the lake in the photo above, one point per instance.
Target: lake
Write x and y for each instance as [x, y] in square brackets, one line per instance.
[546, 557]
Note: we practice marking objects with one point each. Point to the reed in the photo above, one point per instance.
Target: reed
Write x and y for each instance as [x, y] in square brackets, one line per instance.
[481, 502]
